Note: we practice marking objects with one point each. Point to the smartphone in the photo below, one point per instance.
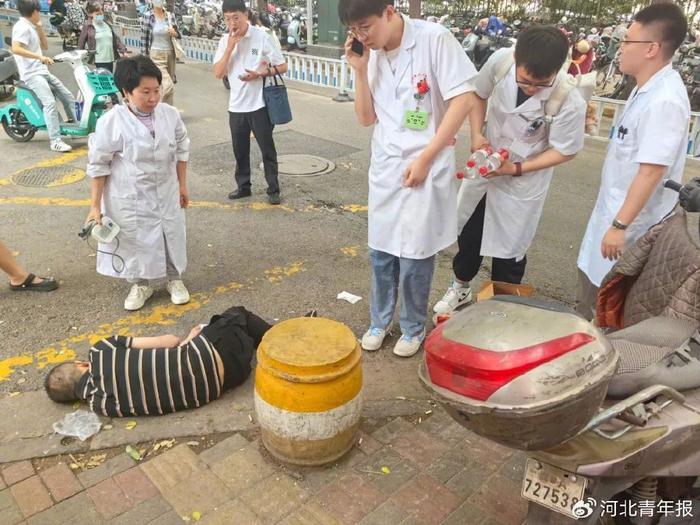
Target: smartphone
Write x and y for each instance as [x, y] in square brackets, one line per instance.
[357, 47]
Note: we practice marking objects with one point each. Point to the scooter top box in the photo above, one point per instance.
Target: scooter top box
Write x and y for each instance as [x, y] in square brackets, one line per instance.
[519, 372]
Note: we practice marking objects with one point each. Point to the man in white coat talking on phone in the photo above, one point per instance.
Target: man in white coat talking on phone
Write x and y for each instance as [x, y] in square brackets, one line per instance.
[412, 84]
[246, 56]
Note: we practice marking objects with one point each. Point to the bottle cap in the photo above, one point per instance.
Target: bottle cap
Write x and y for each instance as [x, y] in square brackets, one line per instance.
[460, 174]
[504, 153]
[483, 170]
[471, 163]
[487, 149]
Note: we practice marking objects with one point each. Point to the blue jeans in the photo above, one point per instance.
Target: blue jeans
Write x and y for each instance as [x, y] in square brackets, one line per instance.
[45, 86]
[412, 278]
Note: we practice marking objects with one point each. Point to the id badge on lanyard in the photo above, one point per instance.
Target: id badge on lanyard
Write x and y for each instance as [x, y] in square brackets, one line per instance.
[417, 119]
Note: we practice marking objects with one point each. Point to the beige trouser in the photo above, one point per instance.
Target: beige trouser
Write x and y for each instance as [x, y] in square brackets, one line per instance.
[165, 60]
[586, 296]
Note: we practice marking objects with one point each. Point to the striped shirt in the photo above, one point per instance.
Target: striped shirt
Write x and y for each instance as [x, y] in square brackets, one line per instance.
[125, 381]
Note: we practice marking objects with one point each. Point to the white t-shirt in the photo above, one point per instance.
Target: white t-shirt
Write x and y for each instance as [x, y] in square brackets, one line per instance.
[25, 33]
[255, 46]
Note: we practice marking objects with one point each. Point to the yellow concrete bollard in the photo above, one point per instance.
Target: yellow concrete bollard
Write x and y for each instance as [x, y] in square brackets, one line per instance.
[308, 390]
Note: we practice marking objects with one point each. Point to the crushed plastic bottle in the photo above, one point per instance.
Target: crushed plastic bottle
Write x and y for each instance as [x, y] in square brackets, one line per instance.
[81, 424]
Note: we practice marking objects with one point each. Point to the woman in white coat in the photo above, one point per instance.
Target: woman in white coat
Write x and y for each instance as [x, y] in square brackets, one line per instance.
[413, 85]
[500, 212]
[137, 160]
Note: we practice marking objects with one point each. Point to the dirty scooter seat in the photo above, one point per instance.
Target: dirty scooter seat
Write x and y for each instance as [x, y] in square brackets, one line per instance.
[652, 292]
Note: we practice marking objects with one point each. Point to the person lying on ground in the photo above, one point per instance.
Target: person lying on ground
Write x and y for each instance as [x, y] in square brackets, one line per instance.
[133, 376]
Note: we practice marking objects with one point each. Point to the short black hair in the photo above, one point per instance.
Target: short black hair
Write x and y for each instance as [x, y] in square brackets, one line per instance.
[234, 6]
[93, 7]
[671, 22]
[60, 383]
[129, 71]
[27, 7]
[351, 11]
[541, 50]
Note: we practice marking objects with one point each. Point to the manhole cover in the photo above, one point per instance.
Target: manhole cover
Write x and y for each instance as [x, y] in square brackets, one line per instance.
[303, 165]
[48, 177]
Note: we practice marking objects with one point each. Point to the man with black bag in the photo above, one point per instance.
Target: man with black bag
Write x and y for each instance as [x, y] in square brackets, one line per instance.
[246, 56]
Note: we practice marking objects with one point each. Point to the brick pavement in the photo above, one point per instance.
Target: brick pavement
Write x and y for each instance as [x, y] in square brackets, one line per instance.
[437, 473]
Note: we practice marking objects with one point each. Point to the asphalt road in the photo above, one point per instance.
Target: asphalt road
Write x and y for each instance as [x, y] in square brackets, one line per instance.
[278, 262]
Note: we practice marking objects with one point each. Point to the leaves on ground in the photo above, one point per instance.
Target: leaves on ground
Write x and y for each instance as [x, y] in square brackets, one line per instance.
[135, 454]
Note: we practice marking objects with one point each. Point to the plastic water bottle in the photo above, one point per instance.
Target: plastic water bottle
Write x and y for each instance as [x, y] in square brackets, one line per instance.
[494, 161]
[475, 162]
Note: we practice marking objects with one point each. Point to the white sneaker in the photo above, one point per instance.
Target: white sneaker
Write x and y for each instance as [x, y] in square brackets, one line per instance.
[373, 339]
[138, 295]
[60, 146]
[408, 346]
[455, 296]
[178, 292]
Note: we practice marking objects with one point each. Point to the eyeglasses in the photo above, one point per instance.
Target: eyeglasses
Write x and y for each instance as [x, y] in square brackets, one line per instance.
[361, 31]
[625, 41]
[527, 83]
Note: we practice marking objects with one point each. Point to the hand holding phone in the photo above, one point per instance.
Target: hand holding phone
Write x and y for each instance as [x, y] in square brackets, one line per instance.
[357, 47]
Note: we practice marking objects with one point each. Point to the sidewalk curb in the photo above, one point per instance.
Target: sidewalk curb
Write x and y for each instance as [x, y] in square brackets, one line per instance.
[50, 444]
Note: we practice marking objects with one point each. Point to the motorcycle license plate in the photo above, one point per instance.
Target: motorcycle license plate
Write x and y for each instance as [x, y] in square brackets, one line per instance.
[552, 487]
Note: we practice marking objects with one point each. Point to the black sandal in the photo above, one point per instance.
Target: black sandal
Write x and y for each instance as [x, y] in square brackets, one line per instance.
[47, 285]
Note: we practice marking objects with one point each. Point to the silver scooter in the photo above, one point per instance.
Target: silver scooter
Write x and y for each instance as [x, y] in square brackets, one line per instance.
[533, 376]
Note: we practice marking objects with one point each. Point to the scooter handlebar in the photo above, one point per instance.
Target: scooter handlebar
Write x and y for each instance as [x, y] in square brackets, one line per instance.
[672, 185]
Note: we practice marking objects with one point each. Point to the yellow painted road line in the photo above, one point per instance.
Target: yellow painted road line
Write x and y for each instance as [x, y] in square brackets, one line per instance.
[63, 158]
[255, 206]
[350, 251]
[69, 178]
[133, 324]
[45, 201]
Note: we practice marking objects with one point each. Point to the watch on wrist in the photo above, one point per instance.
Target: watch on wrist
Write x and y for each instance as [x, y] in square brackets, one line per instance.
[518, 169]
[618, 225]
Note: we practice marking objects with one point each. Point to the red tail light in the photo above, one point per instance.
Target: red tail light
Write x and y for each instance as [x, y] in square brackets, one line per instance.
[477, 373]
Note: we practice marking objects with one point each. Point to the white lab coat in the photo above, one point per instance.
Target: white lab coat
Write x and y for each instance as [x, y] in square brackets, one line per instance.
[141, 193]
[514, 204]
[415, 223]
[656, 119]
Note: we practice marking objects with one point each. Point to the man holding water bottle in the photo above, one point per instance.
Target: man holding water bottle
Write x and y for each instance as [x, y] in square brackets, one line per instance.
[499, 210]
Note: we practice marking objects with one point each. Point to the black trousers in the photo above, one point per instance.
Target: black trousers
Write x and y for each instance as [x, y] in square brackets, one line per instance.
[468, 259]
[241, 125]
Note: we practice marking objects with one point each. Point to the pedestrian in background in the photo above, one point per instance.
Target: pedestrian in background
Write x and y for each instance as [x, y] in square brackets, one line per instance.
[247, 55]
[100, 39]
[157, 33]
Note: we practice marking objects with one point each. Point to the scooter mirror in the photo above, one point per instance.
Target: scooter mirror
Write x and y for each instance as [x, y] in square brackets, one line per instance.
[8, 41]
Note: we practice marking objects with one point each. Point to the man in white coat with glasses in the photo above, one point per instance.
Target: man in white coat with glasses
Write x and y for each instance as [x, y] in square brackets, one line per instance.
[648, 145]
[412, 84]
